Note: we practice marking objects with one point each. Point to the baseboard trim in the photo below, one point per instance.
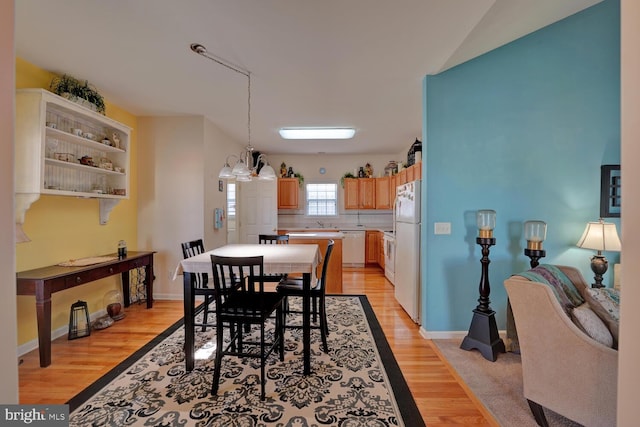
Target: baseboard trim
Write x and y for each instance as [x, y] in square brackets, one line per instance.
[445, 335]
[442, 335]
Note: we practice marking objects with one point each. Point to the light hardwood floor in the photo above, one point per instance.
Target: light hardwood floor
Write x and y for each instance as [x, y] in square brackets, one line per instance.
[443, 399]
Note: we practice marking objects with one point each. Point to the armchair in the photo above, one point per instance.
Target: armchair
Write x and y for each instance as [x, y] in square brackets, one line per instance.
[563, 368]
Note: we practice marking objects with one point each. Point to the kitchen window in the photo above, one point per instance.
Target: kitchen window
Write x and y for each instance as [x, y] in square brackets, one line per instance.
[322, 199]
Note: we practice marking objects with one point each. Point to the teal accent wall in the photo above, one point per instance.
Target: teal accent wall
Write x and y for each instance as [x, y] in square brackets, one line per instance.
[523, 130]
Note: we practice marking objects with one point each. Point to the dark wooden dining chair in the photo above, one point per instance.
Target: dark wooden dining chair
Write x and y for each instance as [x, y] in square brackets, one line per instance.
[200, 284]
[273, 239]
[237, 308]
[294, 287]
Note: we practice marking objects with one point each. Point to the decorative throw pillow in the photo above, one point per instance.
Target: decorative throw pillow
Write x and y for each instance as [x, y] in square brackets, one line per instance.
[605, 302]
[585, 319]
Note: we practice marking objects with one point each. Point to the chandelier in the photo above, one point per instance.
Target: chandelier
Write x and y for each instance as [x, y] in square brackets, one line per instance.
[243, 169]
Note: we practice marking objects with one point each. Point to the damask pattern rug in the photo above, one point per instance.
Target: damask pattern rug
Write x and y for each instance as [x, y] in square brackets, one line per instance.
[358, 383]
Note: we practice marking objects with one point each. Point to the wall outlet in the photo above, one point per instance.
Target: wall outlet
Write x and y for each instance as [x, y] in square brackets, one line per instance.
[442, 228]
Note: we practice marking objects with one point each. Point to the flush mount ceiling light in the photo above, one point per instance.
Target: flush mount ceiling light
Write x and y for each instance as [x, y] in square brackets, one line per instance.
[317, 133]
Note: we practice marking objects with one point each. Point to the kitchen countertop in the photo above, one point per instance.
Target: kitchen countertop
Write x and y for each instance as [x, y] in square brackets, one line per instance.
[377, 227]
[316, 235]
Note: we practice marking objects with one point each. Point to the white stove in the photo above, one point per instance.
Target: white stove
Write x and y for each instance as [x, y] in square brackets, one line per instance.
[390, 256]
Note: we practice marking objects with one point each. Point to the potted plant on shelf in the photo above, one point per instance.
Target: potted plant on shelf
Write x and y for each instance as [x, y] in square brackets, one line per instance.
[74, 90]
[346, 175]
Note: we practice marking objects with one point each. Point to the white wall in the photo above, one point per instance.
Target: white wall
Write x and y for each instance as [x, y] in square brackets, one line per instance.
[9, 348]
[216, 149]
[177, 168]
[628, 371]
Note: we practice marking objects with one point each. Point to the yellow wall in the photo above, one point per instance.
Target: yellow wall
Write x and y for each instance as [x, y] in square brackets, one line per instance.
[62, 228]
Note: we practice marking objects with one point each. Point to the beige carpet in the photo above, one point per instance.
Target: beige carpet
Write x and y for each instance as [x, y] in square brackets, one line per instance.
[498, 385]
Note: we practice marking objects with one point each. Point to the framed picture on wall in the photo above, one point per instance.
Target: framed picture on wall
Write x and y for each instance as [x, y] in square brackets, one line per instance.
[610, 191]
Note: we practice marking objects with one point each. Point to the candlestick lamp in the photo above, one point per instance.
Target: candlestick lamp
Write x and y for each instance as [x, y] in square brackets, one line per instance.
[483, 332]
[535, 232]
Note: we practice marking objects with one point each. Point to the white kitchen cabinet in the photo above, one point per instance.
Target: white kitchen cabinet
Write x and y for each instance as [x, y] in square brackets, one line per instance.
[50, 158]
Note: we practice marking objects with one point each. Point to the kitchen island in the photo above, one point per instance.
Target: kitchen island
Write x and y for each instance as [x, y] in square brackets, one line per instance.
[321, 238]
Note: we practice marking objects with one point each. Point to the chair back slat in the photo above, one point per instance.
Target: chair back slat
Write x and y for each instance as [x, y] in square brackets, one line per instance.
[190, 249]
[273, 239]
[231, 272]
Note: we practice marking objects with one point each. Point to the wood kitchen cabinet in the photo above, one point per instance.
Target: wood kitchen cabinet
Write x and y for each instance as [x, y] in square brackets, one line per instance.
[384, 197]
[351, 193]
[367, 193]
[417, 173]
[288, 193]
[411, 173]
[334, 269]
[414, 172]
[401, 177]
[371, 247]
[360, 193]
[393, 184]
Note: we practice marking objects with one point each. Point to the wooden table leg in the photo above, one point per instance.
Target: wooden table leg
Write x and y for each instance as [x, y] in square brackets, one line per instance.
[306, 322]
[125, 288]
[43, 312]
[148, 281]
[189, 301]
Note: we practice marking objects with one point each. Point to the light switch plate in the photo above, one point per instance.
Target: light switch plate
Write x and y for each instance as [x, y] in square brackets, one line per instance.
[442, 228]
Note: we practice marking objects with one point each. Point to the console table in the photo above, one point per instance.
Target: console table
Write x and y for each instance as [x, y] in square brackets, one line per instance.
[42, 282]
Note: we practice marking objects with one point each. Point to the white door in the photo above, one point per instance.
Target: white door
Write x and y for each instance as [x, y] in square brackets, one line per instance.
[256, 209]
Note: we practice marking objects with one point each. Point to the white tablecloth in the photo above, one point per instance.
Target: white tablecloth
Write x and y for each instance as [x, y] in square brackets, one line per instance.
[278, 259]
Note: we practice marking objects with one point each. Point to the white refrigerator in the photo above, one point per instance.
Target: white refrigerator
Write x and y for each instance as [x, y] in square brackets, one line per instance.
[407, 231]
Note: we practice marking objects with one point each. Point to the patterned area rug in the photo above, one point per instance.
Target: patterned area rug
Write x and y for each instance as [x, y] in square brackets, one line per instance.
[358, 383]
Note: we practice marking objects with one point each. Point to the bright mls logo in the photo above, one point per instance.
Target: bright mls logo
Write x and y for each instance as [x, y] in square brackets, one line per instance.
[43, 415]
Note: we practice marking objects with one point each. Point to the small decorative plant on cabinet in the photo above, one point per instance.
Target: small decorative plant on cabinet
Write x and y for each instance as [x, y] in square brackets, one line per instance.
[74, 90]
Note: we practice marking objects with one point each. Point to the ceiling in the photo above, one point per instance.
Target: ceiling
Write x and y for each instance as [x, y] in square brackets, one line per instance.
[357, 63]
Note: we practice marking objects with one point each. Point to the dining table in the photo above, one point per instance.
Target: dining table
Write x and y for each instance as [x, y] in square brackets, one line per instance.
[277, 260]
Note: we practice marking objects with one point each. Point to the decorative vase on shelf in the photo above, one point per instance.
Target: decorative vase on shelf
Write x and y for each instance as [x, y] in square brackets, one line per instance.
[391, 168]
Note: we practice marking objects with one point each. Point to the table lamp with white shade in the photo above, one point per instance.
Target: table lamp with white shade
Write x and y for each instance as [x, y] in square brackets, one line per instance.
[600, 236]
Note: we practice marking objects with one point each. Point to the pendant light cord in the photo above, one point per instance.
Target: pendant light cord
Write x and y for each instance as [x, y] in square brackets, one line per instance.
[201, 50]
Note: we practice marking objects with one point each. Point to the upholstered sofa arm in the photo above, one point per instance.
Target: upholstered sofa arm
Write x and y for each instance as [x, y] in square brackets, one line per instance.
[563, 369]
